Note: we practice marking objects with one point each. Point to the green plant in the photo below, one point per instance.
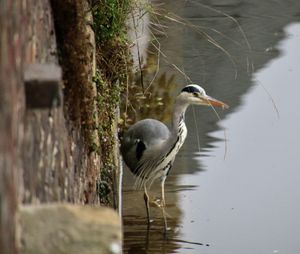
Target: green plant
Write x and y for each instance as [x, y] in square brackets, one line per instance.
[109, 19]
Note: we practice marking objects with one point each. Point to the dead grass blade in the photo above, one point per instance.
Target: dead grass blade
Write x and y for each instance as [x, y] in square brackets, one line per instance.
[270, 97]
[224, 130]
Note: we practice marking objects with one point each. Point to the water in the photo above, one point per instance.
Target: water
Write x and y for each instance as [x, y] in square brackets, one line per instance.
[249, 201]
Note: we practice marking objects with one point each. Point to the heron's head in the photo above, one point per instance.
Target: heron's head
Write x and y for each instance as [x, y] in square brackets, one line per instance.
[194, 94]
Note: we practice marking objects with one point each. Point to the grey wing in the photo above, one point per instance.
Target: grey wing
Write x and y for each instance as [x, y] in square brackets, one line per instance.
[140, 137]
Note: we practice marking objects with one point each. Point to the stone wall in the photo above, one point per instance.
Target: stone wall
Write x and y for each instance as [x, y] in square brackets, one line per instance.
[45, 154]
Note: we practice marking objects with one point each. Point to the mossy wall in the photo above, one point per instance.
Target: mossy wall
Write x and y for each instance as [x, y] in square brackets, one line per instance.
[67, 153]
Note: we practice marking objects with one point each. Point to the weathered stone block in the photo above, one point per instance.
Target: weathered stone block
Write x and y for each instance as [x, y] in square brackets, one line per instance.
[69, 229]
[43, 85]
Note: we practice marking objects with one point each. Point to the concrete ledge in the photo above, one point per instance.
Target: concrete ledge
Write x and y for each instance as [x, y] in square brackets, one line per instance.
[66, 228]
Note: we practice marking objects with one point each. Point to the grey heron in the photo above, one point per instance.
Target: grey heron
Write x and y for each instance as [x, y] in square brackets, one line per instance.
[149, 147]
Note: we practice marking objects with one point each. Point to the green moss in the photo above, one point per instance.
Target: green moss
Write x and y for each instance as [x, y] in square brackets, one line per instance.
[109, 17]
[94, 148]
[104, 183]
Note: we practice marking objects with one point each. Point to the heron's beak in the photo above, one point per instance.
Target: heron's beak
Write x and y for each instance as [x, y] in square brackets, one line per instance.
[214, 102]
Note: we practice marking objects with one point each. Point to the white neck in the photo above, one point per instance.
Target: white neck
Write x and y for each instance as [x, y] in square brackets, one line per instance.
[178, 117]
[178, 130]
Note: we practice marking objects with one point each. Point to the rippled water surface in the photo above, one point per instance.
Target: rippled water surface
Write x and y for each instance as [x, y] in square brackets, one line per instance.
[247, 202]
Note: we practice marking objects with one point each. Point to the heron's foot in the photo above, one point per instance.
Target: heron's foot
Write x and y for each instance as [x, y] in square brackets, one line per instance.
[150, 221]
[159, 203]
[167, 229]
[165, 233]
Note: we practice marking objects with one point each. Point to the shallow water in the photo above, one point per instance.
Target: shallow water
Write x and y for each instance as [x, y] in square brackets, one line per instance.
[248, 202]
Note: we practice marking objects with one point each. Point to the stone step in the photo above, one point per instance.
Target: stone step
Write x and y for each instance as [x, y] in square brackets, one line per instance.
[69, 229]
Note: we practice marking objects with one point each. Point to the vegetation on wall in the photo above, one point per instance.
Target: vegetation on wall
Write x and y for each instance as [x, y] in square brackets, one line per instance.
[112, 63]
[93, 52]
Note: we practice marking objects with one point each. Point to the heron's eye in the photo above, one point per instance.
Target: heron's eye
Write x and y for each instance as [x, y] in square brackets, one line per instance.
[196, 94]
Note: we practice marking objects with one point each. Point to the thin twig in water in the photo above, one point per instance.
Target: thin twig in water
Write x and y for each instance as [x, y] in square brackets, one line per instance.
[127, 91]
[195, 122]
[234, 20]
[182, 72]
[173, 65]
[270, 97]
[197, 130]
[208, 37]
[138, 51]
[157, 67]
[189, 242]
[228, 16]
[224, 130]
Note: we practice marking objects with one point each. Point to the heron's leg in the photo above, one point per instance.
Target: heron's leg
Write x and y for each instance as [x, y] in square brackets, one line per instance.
[163, 202]
[163, 179]
[147, 203]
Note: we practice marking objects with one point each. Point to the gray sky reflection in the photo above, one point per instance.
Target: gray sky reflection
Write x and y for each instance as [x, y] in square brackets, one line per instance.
[249, 202]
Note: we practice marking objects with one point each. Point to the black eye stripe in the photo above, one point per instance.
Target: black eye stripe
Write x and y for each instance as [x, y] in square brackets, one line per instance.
[190, 89]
